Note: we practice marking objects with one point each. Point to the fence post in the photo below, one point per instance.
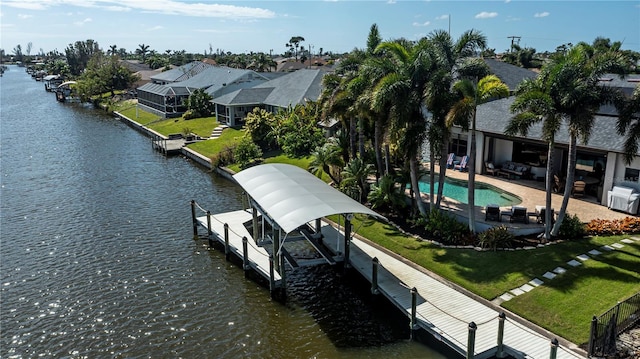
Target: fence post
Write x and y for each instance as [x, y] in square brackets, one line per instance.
[500, 350]
[209, 232]
[414, 304]
[554, 349]
[593, 334]
[374, 275]
[227, 250]
[471, 342]
[194, 221]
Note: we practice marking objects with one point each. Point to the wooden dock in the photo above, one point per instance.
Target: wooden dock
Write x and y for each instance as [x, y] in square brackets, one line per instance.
[443, 310]
[258, 256]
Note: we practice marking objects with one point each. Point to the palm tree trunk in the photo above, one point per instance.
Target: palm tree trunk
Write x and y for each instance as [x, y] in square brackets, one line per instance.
[548, 219]
[413, 165]
[471, 165]
[353, 133]
[571, 166]
[378, 148]
[361, 138]
[443, 170]
[432, 178]
[387, 158]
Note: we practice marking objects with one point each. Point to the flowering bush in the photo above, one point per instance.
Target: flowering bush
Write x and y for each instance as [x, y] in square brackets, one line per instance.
[608, 227]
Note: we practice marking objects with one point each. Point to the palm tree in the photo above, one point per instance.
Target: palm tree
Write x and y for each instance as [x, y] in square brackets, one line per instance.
[629, 123]
[532, 105]
[577, 94]
[325, 159]
[294, 43]
[355, 176]
[463, 112]
[142, 50]
[449, 55]
[402, 90]
[113, 50]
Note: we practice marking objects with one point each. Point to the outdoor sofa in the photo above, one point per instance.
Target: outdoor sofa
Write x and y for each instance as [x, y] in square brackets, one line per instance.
[516, 169]
[625, 199]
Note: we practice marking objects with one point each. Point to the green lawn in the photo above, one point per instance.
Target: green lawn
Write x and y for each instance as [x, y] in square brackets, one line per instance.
[200, 126]
[210, 148]
[564, 305]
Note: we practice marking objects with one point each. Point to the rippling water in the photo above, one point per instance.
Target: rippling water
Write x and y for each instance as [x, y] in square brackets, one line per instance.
[97, 259]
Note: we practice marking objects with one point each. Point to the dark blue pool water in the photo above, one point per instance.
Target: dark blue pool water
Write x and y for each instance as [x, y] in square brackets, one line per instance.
[484, 193]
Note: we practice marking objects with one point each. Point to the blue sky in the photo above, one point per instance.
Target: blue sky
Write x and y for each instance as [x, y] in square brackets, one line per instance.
[336, 25]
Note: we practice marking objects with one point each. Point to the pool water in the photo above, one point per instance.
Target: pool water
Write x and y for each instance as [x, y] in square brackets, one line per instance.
[484, 193]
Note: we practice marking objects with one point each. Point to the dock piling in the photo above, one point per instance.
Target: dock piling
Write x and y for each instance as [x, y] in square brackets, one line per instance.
[414, 304]
[554, 349]
[374, 275]
[347, 237]
[227, 250]
[245, 254]
[194, 220]
[471, 343]
[209, 231]
[500, 349]
[272, 283]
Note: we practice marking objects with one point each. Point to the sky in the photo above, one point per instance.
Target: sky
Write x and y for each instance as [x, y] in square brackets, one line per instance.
[199, 26]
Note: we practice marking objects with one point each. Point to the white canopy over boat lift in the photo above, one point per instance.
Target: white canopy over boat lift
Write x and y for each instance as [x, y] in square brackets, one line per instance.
[290, 200]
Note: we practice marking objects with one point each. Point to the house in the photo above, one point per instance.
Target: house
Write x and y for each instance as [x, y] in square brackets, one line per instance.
[600, 161]
[168, 91]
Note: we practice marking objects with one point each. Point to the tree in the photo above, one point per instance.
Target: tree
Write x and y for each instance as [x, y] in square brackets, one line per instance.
[294, 43]
[577, 94]
[463, 113]
[17, 53]
[79, 54]
[533, 104]
[113, 50]
[259, 124]
[629, 123]
[403, 90]
[102, 75]
[354, 181]
[199, 104]
[325, 159]
[449, 66]
[386, 194]
[142, 50]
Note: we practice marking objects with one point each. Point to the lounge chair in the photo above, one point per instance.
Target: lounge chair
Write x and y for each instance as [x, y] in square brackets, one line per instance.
[450, 159]
[492, 213]
[519, 214]
[490, 168]
[541, 213]
[462, 166]
[578, 188]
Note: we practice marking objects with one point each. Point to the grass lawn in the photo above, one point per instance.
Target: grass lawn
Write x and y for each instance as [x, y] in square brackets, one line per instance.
[210, 148]
[200, 126]
[564, 305]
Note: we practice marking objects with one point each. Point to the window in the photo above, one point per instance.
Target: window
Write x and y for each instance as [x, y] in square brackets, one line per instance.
[631, 174]
[458, 146]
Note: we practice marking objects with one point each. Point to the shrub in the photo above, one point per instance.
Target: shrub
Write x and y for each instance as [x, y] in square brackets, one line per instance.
[447, 229]
[223, 158]
[189, 114]
[496, 237]
[609, 227]
[572, 228]
[246, 151]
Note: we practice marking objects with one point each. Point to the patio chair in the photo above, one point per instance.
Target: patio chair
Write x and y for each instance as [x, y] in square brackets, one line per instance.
[490, 168]
[492, 213]
[578, 188]
[450, 159]
[462, 166]
[541, 214]
[558, 185]
[519, 214]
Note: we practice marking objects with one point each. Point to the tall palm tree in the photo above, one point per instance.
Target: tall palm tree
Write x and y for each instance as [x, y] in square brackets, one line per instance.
[113, 50]
[629, 123]
[532, 105]
[449, 66]
[324, 160]
[463, 113]
[403, 89]
[577, 93]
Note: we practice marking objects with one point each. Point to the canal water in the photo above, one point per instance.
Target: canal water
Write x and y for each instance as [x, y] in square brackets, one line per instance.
[97, 257]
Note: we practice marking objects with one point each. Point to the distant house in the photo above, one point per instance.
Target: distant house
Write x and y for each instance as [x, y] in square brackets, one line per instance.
[235, 92]
[600, 160]
[166, 95]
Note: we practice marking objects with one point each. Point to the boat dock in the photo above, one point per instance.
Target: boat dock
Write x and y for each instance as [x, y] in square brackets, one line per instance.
[293, 204]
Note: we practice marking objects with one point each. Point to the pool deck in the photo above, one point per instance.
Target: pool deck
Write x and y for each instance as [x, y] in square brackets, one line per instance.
[532, 194]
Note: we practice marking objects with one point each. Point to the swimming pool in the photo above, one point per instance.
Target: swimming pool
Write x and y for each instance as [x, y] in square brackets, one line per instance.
[484, 193]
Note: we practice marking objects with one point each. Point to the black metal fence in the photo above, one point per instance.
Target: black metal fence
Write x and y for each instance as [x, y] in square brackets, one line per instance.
[606, 328]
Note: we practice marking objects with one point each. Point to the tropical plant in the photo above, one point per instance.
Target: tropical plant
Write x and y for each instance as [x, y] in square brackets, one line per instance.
[326, 160]
[199, 103]
[387, 194]
[296, 130]
[259, 124]
[142, 50]
[463, 113]
[294, 43]
[354, 176]
[496, 237]
[246, 151]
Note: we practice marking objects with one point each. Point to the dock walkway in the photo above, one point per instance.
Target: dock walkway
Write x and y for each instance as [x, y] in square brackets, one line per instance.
[443, 310]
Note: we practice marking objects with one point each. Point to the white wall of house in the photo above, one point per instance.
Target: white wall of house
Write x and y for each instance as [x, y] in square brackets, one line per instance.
[503, 150]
